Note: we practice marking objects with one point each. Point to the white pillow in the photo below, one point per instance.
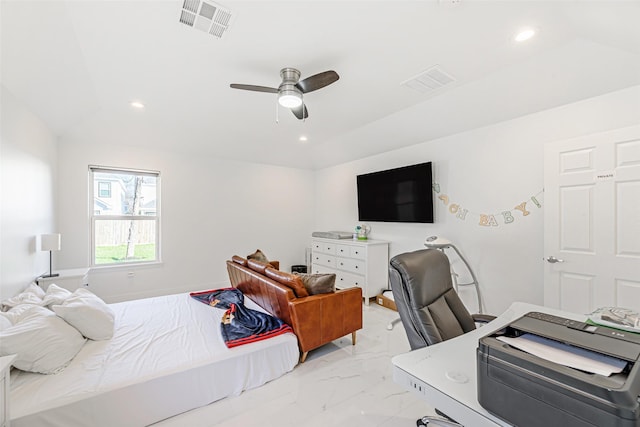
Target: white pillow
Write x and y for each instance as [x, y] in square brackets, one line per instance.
[15, 313]
[35, 289]
[88, 314]
[33, 294]
[5, 321]
[56, 295]
[42, 341]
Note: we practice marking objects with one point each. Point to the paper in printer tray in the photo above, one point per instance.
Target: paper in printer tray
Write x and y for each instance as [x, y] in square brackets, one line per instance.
[528, 391]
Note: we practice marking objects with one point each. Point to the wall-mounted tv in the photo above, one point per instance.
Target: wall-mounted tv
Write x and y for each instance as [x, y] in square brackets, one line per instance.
[396, 195]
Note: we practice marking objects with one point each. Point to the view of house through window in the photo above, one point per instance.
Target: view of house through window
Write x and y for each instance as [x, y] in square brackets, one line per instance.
[124, 216]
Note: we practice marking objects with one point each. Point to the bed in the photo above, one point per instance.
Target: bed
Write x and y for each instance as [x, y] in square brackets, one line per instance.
[166, 357]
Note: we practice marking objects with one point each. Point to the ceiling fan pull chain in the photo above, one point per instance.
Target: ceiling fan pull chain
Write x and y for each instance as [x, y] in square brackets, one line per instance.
[277, 112]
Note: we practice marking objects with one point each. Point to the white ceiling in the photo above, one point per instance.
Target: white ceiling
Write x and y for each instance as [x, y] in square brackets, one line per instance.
[78, 64]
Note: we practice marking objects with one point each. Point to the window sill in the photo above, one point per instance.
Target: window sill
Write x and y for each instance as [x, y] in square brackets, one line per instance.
[129, 266]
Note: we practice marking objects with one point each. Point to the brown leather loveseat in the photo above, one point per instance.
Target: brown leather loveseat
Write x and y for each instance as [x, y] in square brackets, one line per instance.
[316, 319]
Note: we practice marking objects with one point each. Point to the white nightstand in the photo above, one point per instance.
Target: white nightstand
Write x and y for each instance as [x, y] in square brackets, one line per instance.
[5, 380]
[71, 279]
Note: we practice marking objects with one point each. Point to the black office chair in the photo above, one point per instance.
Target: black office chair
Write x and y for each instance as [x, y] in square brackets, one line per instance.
[430, 309]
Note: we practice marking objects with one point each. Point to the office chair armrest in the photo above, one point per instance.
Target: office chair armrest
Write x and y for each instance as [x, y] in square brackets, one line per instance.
[482, 318]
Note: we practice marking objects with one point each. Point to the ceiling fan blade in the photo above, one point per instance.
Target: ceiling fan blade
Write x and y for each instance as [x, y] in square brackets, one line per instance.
[317, 81]
[254, 88]
[300, 112]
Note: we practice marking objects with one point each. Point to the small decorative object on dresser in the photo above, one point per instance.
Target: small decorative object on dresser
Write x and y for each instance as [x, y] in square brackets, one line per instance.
[361, 263]
[71, 279]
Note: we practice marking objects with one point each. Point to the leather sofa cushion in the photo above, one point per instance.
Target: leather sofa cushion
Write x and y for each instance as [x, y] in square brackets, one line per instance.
[239, 260]
[257, 266]
[289, 280]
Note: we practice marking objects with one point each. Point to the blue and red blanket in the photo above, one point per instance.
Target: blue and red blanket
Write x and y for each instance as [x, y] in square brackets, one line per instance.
[241, 325]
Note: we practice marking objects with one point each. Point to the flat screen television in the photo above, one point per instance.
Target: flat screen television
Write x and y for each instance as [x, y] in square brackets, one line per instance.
[396, 195]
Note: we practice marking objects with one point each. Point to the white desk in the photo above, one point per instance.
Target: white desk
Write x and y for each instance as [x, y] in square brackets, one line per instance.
[445, 374]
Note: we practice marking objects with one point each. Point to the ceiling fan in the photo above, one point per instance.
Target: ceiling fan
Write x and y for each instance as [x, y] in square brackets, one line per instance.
[291, 89]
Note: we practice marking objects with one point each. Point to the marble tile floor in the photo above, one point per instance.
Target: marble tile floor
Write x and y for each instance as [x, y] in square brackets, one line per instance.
[338, 385]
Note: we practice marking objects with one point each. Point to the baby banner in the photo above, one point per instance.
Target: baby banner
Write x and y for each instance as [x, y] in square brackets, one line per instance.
[502, 217]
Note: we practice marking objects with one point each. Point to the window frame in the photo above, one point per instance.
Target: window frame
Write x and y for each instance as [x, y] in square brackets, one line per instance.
[145, 217]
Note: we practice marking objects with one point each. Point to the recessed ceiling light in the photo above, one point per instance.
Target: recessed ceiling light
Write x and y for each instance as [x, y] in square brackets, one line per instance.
[525, 35]
[303, 138]
[137, 104]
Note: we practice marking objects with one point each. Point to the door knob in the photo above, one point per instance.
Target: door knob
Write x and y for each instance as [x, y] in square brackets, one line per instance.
[553, 260]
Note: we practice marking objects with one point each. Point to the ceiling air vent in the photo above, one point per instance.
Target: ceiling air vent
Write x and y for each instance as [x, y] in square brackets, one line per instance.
[205, 16]
[430, 80]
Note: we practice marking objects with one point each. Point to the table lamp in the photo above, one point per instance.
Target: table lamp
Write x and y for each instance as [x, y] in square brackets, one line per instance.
[50, 242]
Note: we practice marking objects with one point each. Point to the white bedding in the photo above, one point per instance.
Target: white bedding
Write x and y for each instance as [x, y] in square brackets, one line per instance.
[166, 357]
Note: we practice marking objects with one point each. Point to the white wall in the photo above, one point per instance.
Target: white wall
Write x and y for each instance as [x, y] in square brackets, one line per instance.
[214, 208]
[486, 170]
[27, 194]
[211, 210]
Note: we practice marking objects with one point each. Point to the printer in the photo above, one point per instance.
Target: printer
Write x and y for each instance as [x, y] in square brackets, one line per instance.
[530, 391]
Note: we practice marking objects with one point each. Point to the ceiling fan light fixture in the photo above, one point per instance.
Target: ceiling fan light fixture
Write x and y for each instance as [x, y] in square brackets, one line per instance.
[291, 91]
[290, 98]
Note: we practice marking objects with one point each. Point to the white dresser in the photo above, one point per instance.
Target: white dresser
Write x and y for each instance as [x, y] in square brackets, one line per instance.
[362, 263]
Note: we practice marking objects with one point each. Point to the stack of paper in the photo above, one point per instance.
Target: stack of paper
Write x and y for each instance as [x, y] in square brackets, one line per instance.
[566, 355]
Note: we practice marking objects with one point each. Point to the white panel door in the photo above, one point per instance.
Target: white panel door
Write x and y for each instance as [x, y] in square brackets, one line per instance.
[592, 221]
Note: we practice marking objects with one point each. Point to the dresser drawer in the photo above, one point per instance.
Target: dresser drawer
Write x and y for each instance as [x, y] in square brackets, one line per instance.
[351, 265]
[343, 250]
[329, 248]
[323, 247]
[326, 260]
[346, 280]
[321, 269]
[358, 252]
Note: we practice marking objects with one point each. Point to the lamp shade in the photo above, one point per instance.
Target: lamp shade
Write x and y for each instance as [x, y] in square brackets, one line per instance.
[50, 242]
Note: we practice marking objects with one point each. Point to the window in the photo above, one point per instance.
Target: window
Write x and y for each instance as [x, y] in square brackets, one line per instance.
[125, 216]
